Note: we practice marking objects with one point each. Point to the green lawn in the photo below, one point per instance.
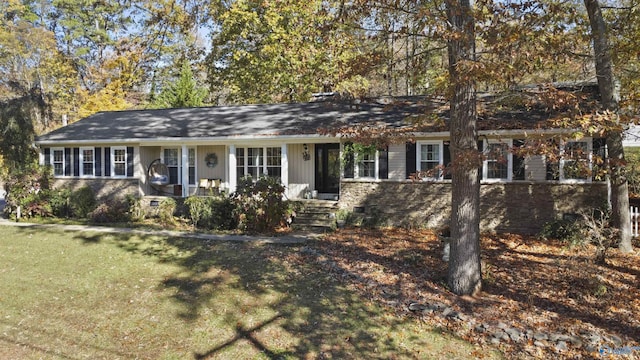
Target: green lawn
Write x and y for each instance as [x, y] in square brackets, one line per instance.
[90, 295]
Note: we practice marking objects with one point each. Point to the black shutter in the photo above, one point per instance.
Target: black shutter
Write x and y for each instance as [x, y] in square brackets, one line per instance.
[599, 147]
[349, 164]
[76, 161]
[107, 161]
[411, 158]
[98, 161]
[129, 161]
[47, 156]
[383, 163]
[553, 168]
[481, 150]
[67, 162]
[518, 161]
[446, 159]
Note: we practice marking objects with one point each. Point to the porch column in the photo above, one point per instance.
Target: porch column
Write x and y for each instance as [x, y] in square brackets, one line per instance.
[233, 170]
[284, 168]
[185, 171]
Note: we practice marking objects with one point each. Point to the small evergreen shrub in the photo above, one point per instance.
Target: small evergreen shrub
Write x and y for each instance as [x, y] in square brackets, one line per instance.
[60, 201]
[214, 212]
[83, 201]
[568, 230]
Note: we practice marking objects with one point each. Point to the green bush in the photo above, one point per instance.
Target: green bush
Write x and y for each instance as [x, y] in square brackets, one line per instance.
[60, 201]
[260, 206]
[568, 230]
[216, 212]
[83, 201]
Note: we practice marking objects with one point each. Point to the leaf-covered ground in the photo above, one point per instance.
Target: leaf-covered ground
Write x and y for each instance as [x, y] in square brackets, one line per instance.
[574, 308]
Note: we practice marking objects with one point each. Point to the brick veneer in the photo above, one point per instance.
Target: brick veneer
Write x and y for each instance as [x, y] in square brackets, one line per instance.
[103, 188]
[519, 207]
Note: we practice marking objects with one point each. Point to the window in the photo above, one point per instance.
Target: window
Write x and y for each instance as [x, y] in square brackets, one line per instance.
[57, 161]
[498, 162]
[430, 159]
[274, 161]
[259, 161]
[192, 166]
[172, 161]
[172, 158]
[254, 157]
[240, 162]
[87, 162]
[119, 161]
[575, 163]
[366, 164]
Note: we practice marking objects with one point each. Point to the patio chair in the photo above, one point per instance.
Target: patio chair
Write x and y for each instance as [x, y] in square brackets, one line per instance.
[204, 184]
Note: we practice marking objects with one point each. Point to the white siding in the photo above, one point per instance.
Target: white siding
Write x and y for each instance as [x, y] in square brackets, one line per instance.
[397, 161]
[205, 172]
[301, 172]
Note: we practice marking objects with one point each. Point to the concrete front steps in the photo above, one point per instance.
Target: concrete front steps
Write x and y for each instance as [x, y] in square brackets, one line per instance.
[315, 215]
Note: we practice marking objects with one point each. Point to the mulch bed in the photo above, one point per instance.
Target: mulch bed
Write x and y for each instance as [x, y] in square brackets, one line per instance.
[539, 298]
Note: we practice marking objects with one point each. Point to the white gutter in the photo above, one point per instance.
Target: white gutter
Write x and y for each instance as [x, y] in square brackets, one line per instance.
[291, 139]
[315, 138]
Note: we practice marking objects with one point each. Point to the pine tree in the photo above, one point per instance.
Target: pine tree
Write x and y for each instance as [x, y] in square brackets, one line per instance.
[183, 93]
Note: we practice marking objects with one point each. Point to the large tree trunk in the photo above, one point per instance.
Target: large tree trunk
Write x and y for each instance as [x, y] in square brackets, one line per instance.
[609, 97]
[464, 260]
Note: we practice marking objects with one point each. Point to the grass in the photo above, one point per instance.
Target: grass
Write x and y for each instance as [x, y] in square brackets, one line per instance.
[100, 296]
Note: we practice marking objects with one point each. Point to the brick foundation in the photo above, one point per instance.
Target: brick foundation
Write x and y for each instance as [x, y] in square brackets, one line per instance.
[512, 207]
[103, 188]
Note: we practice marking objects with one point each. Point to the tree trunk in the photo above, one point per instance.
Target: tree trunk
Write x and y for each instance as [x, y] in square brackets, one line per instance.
[609, 98]
[464, 276]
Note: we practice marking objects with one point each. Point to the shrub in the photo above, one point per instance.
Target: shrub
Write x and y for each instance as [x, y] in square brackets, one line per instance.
[60, 201]
[588, 227]
[110, 212]
[28, 189]
[216, 212]
[568, 230]
[260, 206]
[83, 201]
[135, 210]
[166, 209]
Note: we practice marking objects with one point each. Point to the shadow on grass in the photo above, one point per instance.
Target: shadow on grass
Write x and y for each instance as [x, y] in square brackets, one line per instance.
[316, 315]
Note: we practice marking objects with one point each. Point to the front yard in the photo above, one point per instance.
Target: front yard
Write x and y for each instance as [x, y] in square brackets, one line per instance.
[101, 296]
[541, 299]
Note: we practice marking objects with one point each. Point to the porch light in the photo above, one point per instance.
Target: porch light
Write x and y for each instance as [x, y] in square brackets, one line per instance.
[305, 153]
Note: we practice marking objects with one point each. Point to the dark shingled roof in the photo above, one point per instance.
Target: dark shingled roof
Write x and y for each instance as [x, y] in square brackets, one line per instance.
[520, 109]
[231, 121]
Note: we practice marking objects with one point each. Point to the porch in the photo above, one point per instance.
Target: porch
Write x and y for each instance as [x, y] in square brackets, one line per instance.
[307, 170]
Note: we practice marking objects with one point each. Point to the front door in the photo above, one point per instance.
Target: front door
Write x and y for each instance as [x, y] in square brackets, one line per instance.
[327, 158]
